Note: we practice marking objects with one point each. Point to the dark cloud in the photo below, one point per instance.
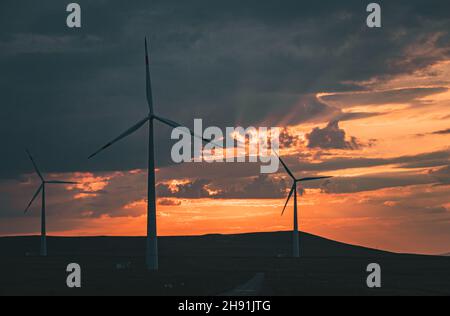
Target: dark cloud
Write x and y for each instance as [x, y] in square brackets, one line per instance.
[192, 190]
[169, 202]
[432, 159]
[397, 96]
[261, 187]
[332, 137]
[289, 140]
[306, 108]
[442, 132]
[66, 92]
[442, 175]
[232, 174]
[121, 190]
[374, 182]
[355, 116]
[302, 165]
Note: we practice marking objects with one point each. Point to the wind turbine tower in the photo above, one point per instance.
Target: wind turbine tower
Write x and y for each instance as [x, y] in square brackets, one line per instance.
[41, 189]
[152, 238]
[296, 181]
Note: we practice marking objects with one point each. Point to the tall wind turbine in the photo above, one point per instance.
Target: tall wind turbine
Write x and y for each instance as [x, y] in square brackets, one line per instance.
[152, 238]
[296, 249]
[43, 252]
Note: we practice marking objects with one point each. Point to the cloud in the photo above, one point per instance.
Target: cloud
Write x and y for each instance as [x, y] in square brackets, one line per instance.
[332, 137]
[305, 108]
[196, 189]
[242, 63]
[304, 163]
[169, 202]
[442, 132]
[237, 182]
[394, 96]
[260, 187]
[289, 140]
[350, 116]
[424, 160]
[29, 43]
[344, 185]
[442, 175]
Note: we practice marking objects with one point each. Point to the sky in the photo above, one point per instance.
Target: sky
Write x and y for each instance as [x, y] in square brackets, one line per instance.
[370, 107]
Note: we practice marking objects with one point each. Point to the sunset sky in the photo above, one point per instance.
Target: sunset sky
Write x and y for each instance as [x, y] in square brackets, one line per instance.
[370, 107]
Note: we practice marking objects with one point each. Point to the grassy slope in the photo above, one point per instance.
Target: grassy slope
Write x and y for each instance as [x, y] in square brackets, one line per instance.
[211, 265]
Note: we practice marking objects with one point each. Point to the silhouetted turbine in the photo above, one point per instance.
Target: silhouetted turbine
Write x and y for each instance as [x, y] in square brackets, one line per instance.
[43, 252]
[296, 248]
[152, 238]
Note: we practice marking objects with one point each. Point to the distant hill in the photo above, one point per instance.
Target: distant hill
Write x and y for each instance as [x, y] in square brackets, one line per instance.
[213, 265]
[256, 244]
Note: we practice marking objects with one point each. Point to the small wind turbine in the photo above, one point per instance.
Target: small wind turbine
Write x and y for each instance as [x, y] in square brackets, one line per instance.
[296, 249]
[152, 238]
[42, 189]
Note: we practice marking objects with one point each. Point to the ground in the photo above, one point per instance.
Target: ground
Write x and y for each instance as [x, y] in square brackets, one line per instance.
[253, 264]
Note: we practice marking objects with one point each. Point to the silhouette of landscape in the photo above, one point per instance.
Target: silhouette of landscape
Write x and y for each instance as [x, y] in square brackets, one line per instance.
[251, 264]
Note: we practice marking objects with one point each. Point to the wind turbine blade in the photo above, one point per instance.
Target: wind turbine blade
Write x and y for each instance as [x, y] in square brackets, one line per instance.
[123, 135]
[148, 80]
[61, 182]
[168, 122]
[313, 178]
[177, 125]
[285, 167]
[289, 197]
[34, 198]
[34, 165]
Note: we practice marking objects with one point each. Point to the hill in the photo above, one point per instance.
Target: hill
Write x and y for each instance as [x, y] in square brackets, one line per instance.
[215, 264]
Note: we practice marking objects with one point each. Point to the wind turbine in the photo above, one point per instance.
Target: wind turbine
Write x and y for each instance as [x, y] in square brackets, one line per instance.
[152, 238]
[42, 189]
[296, 249]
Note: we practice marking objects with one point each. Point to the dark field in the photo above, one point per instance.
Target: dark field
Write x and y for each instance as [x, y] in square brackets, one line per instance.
[214, 265]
